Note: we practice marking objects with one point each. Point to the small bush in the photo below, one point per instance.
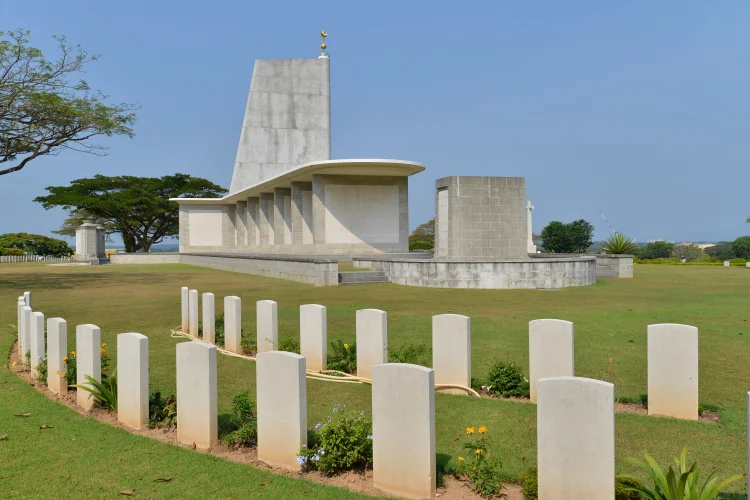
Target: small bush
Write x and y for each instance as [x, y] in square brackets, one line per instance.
[248, 346]
[343, 442]
[105, 391]
[703, 407]
[506, 380]
[623, 489]
[416, 354]
[343, 358]
[482, 469]
[41, 370]
[619, 244]
[289, 345]
[162, 412]
[243, 424]
[421, 245]
[528, 482]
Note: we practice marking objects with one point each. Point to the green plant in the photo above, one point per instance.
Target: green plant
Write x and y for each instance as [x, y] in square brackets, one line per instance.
[41, 370]
[342, 442]
[343, 358]
[703, 407]
[243, 424]
[619, 244]
[529, 478]
[482, 469]
[625, 488]
[248, 345]
[70, 368]
[27, 361]
[218, 330]
[288, 345]
[416, 354]
[421, 245]
[506, 380]
[528, 481]
[161, 412]
[677, 484]
[105, 391]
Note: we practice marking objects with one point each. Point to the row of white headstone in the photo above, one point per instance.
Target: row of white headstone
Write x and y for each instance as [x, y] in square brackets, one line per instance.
[9, 259]
[672, 348]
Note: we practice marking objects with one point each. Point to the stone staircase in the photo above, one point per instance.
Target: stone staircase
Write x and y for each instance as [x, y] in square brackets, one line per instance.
[362, 277]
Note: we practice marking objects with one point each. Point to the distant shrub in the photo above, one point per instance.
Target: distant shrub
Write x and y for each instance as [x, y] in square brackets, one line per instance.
[343, 357]
[421, 245]
[10, 251]
[506, 380]
[416, 354]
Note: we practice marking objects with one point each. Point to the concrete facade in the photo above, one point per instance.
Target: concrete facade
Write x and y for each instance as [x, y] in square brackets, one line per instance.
[551, 351]
[481, 217]
[614, 266]
[673, 371]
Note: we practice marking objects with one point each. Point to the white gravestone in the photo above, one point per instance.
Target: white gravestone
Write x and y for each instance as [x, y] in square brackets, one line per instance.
[451, 350]
[21, 326]
[673, 371]
[193, 312]
[57, 349]
[37, 342]
[233, 324]
[726, 263]
[575, 439]
[372, 340]
[403, 430]
[209, 318]
[267, 325]
[27, 298]
[185, 309]
[88, 362]
[313, 339]
[550, 351]
[26, 338]
[282, 407]
[197, 403]
[132, 380]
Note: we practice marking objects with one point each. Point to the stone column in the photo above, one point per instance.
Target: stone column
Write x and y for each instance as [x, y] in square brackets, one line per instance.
[403, 430]
[193, 311]
[267, 325]
[282, 216]
[57, 349]
[233, 324]
[253, 222]
[242, 223]
[550, 351]
[673, 371]
[132, 379]
[301, 214]
[197, 403]
[281, 390]
[451, 350]
[87, 242]
[265, 220]
[37, 341]
[229, 228]
[101, 252]
[209, 318]
[372, 340]
[185, 321]
[529, 232]
[313, 342]
[88, 362]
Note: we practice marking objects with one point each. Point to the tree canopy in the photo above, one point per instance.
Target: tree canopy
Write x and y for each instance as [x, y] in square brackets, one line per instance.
[573, 237]
[45, 110]
[424, 232]
[655, 250]
[138, 208]
[35, 244]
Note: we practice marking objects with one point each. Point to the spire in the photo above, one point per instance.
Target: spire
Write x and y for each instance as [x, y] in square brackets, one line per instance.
[323, 51]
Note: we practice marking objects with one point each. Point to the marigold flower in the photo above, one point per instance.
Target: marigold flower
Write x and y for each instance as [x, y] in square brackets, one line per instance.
[104, 344]
[482, 429]
[58, 372]
[346, 346]
[73, 353]
[65, 358]
[470, 430]
[478, 452]
[460, 459]
[105, 368]
[103, 352]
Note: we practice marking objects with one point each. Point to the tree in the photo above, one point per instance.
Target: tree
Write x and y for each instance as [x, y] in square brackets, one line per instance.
[138, 207]
[35, 244]
[689, 252]
[721, 251]
[741, 247]
[78, 217]
[655, 250]
[574, 237]
[44, 110]
[424, 232]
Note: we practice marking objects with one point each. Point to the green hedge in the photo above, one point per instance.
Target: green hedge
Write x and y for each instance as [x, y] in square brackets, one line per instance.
[421, 245]
[676, 262]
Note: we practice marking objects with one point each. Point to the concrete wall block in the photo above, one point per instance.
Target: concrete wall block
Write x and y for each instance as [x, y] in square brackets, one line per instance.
[88, 362]
[282, 407]
[451, 350]
[313, 335]
[37, 342]
[197, 405]
[267, 323]
[576, 439]
[403, 430]
[550, 351]
[193, 312]
[209, 318]
[132, 380]
[57, 349]
[372, 340]
[673, 371]
[233, 324]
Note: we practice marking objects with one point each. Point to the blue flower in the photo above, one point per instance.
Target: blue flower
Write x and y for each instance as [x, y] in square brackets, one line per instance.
[362, 413]
[369, 437]
[317, 426]
[335, 408]
[315, 458]
[301, 460]
[321, 452]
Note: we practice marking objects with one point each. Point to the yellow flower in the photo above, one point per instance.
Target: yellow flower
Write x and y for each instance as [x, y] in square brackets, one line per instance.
[482, 429]
[65, 358]
[14, 363]
[104, 344]
[478, 452]
[610, 360]
[105, 368]
[73, 353]
[103, 352]
[470, 430]
[460, 459]
[58, 372]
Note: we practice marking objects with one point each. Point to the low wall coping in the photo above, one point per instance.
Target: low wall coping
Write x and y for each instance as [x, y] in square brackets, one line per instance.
[256, 256]
[385, 258]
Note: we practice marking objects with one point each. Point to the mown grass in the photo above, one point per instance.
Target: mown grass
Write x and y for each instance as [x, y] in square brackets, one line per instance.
[610, 320]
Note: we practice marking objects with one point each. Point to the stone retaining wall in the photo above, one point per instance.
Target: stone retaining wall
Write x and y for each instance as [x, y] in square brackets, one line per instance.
[607, 265]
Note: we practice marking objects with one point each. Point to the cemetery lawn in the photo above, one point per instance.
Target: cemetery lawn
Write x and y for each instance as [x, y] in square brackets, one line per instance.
[610, 321]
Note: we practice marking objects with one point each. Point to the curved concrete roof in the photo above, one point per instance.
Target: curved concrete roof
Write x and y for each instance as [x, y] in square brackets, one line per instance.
[304, 173]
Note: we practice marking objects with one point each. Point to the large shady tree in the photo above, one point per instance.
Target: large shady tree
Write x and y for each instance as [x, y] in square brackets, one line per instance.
[137, 208]
[46, 109]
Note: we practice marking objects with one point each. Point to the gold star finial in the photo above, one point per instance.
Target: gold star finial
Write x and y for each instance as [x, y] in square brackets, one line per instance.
[323, 36]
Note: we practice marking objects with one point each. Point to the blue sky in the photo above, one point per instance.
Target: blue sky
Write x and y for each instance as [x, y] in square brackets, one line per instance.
[639, 108]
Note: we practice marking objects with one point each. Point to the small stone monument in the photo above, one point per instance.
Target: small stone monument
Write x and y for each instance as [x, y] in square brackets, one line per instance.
[90, 244]
[529, 233]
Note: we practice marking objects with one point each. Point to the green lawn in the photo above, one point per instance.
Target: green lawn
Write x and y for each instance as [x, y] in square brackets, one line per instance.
[610, 320]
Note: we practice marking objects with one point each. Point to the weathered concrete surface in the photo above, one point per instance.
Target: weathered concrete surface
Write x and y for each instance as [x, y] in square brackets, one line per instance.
[37, 342]
[282, 407]
[57, 349]
[313, 335]
[673, 371]
[145, 258]
[372, 340]
[607, 266]
[193, 312]
[197, 403]
[287, 119]
[451, 350]
[233, 324]
[576, 439]
[484, 273]
[132, 380]
[550, 351]
[403, 430]
[88, 362]
[209, 317]
[481, 217]
[267, 325]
